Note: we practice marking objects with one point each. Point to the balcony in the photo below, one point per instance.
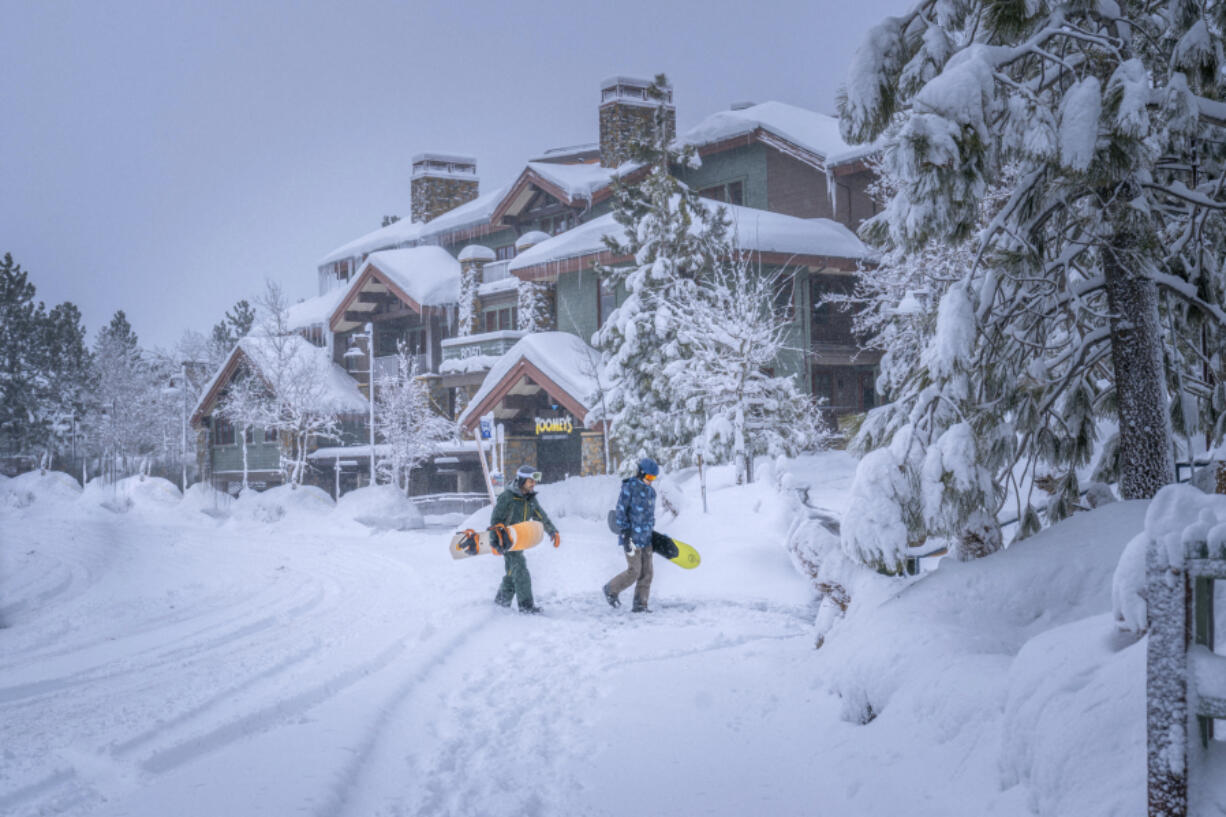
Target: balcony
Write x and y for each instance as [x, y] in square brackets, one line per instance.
[477, 351]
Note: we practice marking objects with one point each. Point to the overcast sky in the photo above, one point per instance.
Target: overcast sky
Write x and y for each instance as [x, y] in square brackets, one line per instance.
[166, 157]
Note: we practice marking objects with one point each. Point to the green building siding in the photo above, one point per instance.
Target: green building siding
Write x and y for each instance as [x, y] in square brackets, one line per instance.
[746, 165]
[261, 456]
[577, 295]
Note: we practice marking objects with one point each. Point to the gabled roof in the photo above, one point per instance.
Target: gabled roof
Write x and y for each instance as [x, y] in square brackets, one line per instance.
[584, 183]
[420, 277]
[339, 392]
[787, 127]
[558, 362]
[405, 232]
[777, 237]
[313, 311]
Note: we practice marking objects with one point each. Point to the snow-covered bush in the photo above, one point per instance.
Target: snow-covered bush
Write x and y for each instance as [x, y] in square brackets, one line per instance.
[204, 498]
[47, 487]
[382, 507]
[281, 502]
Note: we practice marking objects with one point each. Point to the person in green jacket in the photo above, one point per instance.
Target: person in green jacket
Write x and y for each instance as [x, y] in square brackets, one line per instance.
[518, 503]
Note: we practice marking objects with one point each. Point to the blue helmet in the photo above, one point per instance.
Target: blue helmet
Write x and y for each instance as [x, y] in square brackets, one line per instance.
[648, 466]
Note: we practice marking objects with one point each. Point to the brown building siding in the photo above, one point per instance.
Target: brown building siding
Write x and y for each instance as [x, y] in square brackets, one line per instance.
[795, 188]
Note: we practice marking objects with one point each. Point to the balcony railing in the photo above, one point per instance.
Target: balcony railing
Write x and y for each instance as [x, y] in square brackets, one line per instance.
[496, 271]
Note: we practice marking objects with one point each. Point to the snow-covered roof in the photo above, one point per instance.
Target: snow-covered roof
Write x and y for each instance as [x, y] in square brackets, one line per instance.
[315, 310]
[530, 239]
[562, 357]
[428, 275]
[338, 391]
[815, 132]
[577, 181]
[405, 232]
[477, 252]
[755, 230]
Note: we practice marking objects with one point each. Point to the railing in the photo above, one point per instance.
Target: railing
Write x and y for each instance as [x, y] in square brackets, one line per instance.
[496, 271]
[437, 504]
[387, 365]
[1186, 679]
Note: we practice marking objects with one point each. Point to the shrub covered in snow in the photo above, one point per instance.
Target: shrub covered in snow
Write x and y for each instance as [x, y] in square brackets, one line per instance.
[38, 486]
[382, 507]
[284, 501]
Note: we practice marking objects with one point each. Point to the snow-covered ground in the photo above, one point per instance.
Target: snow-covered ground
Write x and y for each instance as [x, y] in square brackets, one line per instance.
[186, 656]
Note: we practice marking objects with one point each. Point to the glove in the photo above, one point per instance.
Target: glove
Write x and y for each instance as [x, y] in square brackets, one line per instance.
[557, 538]
[626, 544]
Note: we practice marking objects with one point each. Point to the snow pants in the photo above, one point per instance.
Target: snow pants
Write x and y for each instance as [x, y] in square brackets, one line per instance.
[638, 572]
[516, 582]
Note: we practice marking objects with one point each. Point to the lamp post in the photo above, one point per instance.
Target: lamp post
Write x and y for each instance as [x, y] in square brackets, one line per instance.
[369, 335]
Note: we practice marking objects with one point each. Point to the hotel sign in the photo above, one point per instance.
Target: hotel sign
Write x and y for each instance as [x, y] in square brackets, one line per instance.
[554, 425]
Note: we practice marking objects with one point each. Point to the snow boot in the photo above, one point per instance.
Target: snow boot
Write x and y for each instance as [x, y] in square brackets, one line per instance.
[611, 597]
[641, 608]
[533, 610]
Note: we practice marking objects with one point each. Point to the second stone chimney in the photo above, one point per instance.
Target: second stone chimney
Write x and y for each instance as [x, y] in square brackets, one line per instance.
[627, 115]
[442, 182]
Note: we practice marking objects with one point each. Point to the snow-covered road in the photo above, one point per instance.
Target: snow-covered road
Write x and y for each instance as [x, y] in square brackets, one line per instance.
[158, 663]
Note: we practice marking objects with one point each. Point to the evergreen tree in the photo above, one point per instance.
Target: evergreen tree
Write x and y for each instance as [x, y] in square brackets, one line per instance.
[672, 238]
[118, 421]
[21, 321]
[1109, 125]
[67, 377]
[236, 324]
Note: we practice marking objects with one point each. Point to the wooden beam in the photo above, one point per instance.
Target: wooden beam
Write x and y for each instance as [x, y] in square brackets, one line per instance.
[376, 298]
[358, 316]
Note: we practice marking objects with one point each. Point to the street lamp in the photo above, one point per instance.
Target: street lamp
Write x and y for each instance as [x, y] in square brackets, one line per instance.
[369, 335]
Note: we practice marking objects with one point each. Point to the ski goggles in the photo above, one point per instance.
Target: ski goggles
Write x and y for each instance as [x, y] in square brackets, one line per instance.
[649, 478]
[535, 476]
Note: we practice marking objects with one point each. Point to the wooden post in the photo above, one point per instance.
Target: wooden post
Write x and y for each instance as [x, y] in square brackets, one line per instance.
[1166, 687]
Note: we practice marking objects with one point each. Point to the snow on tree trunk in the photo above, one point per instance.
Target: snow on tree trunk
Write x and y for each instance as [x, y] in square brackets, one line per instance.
[1166, 693]
[1146, 453]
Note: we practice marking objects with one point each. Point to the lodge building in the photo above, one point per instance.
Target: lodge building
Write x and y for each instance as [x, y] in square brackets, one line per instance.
[497, 296]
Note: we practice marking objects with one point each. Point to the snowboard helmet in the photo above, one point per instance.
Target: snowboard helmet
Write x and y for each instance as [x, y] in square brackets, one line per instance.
[648, 468]
[526, 472]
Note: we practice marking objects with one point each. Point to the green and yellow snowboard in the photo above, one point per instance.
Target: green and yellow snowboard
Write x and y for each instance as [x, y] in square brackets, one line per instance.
[674, 550]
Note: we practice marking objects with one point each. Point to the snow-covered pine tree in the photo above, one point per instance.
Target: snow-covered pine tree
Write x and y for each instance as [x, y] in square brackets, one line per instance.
[672, 238]
[67, 376]
[406, 422]
[117, 422]
[20, 323]
[735, 329]
[1108, 121]
[534, 308]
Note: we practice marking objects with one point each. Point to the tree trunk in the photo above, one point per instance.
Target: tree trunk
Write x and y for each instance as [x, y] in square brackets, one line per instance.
[1146, 458]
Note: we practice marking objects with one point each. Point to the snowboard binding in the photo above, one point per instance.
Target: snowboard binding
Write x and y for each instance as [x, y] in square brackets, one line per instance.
[470, 543]
[500, 539]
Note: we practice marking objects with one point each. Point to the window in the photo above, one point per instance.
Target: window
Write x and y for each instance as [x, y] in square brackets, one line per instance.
[499, 319]
[785, 307]
[606, 301]
[823, 386]
[270, 435]
[505, 253]
[730, 192]
[249, 435]
[223, 432]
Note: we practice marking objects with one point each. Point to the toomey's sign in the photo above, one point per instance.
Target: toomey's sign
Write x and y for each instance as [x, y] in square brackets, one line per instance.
[554, 425]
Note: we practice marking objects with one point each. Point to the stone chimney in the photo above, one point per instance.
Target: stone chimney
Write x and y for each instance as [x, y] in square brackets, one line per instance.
[473, 259]
[627, 114]
[442, 182]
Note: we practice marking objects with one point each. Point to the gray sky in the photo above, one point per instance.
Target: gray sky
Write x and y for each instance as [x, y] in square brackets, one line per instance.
[164, 158]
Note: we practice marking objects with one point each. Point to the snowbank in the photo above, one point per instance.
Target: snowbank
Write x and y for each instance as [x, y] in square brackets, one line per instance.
[585, 497]
[382, 507]
[36, 486]
[283, 502]
[204, 498]
[147, 493]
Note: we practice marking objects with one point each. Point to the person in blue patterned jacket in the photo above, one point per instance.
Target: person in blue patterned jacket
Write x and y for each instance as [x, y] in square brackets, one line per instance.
[636, 516]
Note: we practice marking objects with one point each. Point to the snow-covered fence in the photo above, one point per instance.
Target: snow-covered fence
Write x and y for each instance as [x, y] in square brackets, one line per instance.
[1186, 680]
[437, 504]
